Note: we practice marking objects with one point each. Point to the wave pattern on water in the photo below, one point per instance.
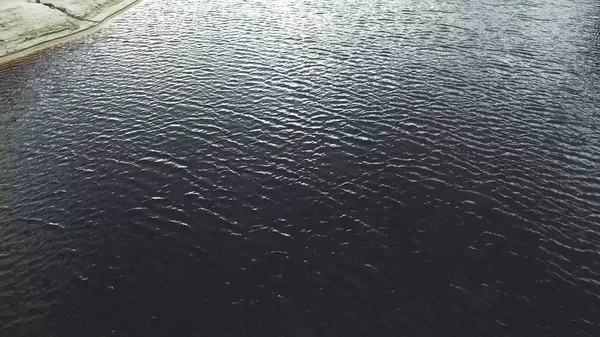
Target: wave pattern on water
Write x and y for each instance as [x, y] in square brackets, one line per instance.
[307, 168]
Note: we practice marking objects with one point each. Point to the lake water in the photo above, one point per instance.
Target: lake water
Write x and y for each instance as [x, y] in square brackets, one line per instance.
[307, 168]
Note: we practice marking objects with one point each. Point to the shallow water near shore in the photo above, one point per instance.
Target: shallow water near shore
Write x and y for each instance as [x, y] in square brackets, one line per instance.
[307, 168]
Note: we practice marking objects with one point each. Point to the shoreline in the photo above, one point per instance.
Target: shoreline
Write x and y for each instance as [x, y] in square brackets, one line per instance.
[59, 38]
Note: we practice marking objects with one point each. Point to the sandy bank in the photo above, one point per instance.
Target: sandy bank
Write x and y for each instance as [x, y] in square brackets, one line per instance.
[27, 26]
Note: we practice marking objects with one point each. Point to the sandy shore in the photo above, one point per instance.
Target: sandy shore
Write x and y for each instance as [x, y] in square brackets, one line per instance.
[28, 26]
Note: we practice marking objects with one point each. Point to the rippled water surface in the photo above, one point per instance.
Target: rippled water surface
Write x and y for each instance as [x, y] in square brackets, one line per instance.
[307, 168]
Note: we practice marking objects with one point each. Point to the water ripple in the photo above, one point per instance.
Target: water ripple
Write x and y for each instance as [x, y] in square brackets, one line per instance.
[307, 168]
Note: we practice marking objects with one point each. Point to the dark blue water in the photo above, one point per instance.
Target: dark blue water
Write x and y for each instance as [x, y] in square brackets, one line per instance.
[307, 168]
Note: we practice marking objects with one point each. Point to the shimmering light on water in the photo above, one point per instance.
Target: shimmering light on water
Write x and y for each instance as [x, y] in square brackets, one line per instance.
[307, 168]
